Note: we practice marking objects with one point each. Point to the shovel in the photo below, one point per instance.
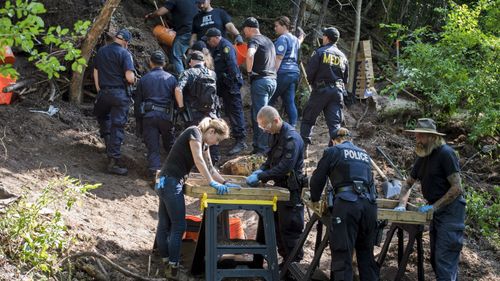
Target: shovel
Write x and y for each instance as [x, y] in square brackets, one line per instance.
[391, 188]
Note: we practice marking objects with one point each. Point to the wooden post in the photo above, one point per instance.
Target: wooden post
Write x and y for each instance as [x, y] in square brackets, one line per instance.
[352, 61]
[89, 44]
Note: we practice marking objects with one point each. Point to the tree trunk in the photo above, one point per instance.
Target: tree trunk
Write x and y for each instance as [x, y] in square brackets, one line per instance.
[302, 13]
[354, 51]
[295, 12]
[89, 44]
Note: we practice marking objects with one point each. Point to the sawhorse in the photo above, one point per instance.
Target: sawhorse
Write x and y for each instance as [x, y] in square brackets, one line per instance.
[414, 234]
[210, 248]
[321, 243]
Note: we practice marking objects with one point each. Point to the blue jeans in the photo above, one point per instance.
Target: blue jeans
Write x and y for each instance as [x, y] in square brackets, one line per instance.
[179, 48]
[447, 234]
[286, 84]
[111, 109]
[330, 101]
[260, 89]
[171, 219]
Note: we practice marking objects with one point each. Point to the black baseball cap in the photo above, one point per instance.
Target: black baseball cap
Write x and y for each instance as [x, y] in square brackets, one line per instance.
[332, 33]
[199, 46]
[158, 57]
[213, 32]
[124, 34]
[197, 55]
[250, 22]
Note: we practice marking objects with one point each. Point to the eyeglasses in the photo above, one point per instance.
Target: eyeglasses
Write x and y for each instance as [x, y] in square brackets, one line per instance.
[267, 127]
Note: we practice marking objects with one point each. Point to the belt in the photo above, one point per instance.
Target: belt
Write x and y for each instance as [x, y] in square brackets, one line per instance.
[348, 188]
[158, 108]
[112, 87]
[323, 84]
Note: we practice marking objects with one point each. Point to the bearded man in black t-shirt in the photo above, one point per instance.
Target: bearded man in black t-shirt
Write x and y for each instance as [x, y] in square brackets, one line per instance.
[438, 171]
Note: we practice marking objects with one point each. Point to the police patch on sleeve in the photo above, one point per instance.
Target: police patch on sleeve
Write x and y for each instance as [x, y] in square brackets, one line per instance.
[290, 146]
[226, 50]
[281, 48]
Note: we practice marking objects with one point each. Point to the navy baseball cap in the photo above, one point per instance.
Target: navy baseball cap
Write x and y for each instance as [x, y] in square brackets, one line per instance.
[124, 34]
[250, 22]
[199, 46]
[158, 57]
[213, 32]
[199, 1]
[332, 33]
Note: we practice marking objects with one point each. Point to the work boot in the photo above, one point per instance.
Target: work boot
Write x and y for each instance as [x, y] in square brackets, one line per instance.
[172, 271]
[239, 146]
[114, 168]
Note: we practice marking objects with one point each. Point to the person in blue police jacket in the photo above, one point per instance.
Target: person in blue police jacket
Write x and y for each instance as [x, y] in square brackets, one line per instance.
[287, 53]
[284, 165]
[183, 12]
[154, 101]
[438, 171]
[354, 210]
[113, 73]
[229, 82]
[190, 149]
[327, 72]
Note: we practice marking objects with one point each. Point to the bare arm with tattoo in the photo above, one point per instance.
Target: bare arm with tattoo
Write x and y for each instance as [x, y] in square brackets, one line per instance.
[454, 191]
[213, 172]
[405, 191]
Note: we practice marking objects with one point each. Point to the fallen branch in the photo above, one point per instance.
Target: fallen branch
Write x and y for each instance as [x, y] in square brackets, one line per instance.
[3, 143]
[19, 85]
[111, 263]
[405, 91]
[362, 116]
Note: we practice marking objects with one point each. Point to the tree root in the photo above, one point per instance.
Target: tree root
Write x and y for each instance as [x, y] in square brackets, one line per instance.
[111, 263]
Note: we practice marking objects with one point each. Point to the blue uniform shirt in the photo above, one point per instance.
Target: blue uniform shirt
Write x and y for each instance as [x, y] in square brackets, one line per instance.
[226, 66]
[157, 87]
[286, 154]
[343, 164]
[287, 45]
[328, 64]
[111, 62]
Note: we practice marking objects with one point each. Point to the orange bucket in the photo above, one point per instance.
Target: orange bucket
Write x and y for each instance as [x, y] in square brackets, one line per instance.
[164, 35]
[235, 229]
[241, 53]
[5, 98]
[9, 57]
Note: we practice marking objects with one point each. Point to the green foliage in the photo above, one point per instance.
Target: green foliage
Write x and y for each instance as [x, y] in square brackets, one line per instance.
[457, 69]
[21, 26]
[482, 214]
[33, 235]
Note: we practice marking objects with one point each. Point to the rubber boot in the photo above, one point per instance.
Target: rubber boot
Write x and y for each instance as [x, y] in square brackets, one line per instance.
[114, 168]
[239, 146]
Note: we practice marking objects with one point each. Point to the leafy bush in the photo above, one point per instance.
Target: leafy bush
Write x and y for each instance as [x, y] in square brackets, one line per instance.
[33, 235]
[21, 26]
[457, 69]
[482, 214]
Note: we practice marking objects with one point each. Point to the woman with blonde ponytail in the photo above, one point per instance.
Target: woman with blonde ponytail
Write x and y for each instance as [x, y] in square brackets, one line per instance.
[190, 149]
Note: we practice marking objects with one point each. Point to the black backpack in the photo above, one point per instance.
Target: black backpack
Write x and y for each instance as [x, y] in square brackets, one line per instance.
[204, 91]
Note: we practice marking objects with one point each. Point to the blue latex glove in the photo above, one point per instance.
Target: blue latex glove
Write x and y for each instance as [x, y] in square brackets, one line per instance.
[257, 172]
[425, 208]
[238, 39]
[400, 208]
[232, 185]
[221, 188]
[161, 183]
[253, 180]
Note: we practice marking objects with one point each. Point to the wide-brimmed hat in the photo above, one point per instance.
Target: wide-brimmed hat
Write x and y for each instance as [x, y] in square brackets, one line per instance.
[426, 126]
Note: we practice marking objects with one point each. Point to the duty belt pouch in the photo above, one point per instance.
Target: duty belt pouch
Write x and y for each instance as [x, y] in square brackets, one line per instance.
[330, 198]
[171, 107]
[147, 106]
[358, 187]
[142, 109]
